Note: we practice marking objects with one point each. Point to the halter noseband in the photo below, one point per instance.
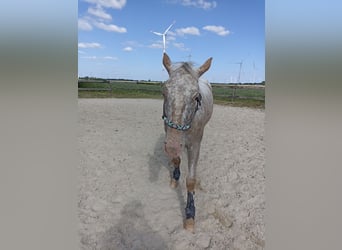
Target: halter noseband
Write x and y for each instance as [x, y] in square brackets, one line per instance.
[185, 127]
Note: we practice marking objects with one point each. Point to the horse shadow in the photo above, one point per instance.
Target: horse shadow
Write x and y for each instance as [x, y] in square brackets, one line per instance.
[132, 231]
[157, 162]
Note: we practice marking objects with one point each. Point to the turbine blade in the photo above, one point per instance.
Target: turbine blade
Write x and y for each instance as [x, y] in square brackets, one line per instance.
[169, 27]
[157, 33]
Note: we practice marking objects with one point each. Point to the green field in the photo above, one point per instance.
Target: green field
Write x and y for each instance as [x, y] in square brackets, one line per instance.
[236, 95]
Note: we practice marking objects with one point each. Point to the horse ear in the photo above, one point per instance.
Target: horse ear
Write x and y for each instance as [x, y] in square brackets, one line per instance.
[204, 67]
[167, 62]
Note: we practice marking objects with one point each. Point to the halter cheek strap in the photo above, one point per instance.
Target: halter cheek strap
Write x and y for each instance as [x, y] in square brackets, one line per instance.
[185, 127]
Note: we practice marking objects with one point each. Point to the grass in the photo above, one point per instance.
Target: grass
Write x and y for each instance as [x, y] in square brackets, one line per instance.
[224, 95]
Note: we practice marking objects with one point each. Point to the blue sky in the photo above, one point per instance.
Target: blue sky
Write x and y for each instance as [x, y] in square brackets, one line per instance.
[115, 38]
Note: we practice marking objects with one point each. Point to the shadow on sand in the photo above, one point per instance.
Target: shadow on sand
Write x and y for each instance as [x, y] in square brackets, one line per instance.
[159, 160]
[132, 231]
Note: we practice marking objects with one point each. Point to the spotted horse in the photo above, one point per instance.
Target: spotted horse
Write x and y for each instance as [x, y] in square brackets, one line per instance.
[187, 108]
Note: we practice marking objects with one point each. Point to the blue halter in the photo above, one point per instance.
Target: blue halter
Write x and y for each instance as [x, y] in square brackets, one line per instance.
[185, 127]
[174, 125]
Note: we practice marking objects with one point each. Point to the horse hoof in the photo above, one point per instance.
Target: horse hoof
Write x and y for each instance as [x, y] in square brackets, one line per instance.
[189, 225]
[173, 183]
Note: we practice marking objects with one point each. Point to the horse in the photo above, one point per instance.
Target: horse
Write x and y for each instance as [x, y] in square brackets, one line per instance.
[187, 108]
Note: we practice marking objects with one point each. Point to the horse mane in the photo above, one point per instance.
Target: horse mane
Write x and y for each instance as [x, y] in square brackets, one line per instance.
[187, 66]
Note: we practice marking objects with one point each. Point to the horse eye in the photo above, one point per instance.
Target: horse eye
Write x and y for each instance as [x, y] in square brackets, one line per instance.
[198, 97]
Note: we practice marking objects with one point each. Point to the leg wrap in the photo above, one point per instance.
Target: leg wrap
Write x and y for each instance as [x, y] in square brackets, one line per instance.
[176, 173]
[190, 206]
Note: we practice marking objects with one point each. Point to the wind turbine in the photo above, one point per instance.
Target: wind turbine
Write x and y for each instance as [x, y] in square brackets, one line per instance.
[189, 57]
[253, 72]
[241, 62]
[164, 35]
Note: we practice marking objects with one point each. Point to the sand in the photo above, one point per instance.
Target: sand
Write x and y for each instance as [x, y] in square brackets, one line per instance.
[125, 201]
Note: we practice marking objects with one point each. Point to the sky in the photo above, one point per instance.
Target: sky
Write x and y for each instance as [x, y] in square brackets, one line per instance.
[115, 38]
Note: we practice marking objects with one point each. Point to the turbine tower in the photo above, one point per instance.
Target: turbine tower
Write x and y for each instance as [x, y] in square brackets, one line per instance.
[239, 76]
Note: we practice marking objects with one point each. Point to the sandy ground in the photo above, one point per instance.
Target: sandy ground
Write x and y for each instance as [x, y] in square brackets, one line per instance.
[125, 201]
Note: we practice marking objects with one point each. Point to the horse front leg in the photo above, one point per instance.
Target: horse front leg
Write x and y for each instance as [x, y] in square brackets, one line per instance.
[176, 172]
[193, 154]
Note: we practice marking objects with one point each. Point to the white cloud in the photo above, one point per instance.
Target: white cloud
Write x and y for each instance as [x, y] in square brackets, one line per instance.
[188, 31]
[99, 58]
[128, 49]
[110, 27]
[84, 25]
[89, 45]
[156, 45]
[110, 58]
[219, 30]
[99, 12]
[115, 4]
[98, 16]
[171, 37]
[180, 46]
[89, 57]
[199, 4]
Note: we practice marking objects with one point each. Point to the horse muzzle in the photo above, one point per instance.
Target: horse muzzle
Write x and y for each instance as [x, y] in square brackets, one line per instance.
[173, 144]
